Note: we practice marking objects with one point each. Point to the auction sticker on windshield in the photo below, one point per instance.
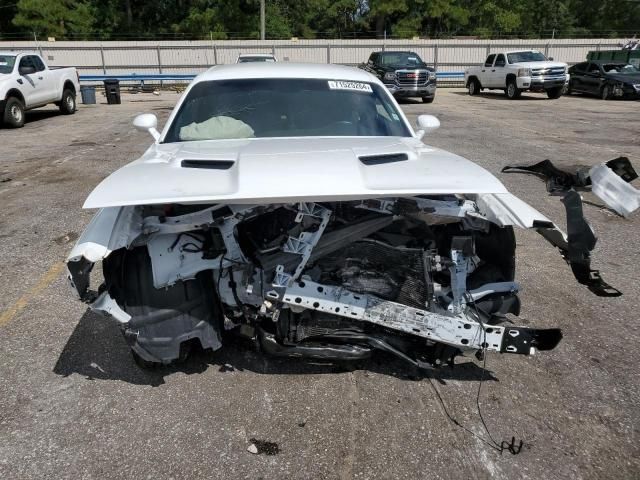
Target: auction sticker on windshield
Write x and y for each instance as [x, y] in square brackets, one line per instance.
[357, 86]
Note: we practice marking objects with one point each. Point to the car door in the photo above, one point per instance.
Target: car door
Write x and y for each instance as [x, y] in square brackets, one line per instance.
[31, 82]
[371, 64]
[498, 72]
[578, 73]
[593, 79]
[485, 70]
[47, 79]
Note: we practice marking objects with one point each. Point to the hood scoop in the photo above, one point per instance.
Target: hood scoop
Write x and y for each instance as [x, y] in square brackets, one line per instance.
[208, 164]
[383, 158]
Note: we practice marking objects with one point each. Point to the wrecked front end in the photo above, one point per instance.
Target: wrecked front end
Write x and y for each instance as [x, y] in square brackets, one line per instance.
[422, 278]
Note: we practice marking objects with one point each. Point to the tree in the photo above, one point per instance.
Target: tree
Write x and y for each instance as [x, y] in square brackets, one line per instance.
[55, 18]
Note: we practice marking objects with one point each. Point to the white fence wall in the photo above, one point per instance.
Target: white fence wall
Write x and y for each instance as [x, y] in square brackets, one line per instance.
[192, 57]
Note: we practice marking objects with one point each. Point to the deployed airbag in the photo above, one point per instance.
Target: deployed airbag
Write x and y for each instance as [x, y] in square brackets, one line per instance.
[216, 128]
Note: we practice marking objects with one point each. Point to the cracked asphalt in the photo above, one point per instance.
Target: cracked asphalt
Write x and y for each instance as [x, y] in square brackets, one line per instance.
[73, 404]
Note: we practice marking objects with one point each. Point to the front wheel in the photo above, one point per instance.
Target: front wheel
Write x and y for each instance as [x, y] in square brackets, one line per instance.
[554, 93]
[606, 93]
[68, 102]
[13, 115]
[512, 90]
[428, 99]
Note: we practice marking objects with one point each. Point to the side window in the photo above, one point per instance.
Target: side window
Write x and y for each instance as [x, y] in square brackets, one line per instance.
[500, 62]
[580, 67]
[26, 62]
[594, 68]
[38, 63]
[489, 61]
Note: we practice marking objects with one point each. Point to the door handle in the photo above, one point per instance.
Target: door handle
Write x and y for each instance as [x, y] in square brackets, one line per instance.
[493, 70]
[39, 78]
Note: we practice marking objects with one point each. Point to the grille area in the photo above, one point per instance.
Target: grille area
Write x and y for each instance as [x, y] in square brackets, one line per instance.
[553, 71]
[411, 77]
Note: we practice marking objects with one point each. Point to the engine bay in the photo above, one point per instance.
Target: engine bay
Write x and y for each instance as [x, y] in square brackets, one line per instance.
[422, 278]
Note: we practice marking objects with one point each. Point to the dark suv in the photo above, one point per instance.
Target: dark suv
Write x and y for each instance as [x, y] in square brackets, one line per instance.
[404, 74]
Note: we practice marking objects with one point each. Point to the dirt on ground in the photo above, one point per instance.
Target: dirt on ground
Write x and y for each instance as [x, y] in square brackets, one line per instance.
[73, 404]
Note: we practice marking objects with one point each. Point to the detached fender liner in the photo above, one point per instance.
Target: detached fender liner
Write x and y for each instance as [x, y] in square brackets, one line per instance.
[161, 319]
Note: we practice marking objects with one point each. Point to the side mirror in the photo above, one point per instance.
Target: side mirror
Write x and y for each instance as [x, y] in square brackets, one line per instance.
[26, 70]
[551, 59]
[426, 124]
[147, 122]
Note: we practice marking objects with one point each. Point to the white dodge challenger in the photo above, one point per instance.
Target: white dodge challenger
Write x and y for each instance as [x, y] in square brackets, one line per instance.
[295, 206]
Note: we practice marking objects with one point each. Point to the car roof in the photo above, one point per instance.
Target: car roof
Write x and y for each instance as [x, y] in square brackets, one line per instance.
[608, 62]
[518, 51]
[395, 51]
[269, 55]
[13, 54]
[285, 70]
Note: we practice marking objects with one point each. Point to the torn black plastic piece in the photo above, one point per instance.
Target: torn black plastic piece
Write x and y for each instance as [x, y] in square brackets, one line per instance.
[557, 180]
[521, 340]
[581, 241]
[560, 181]
[622, 167]
[80, 271]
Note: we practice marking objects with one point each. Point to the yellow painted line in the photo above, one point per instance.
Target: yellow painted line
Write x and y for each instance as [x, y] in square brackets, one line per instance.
[38, 288]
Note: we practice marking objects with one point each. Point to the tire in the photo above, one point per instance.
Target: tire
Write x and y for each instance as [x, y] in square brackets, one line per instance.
[473, 87]
[512, 91]
[68, 102]
[13, 115]
[164, 322]
[428, 99]
[554, 93]
[605, 93]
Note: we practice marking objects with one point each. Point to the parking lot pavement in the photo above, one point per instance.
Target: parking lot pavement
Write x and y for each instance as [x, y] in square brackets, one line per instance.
[74, 405]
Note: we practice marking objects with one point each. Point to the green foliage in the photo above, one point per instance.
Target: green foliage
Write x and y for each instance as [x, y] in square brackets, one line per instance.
[55, 18]
[220, 19]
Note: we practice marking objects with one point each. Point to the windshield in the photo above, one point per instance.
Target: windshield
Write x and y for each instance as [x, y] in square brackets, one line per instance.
[517, 57]
[620, 68]
[255, 59]
[400, 58]
[274, 107]
[6, 63]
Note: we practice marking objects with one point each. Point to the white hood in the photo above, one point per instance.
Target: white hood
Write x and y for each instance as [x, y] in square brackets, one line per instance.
[541, 64]
[286, 170]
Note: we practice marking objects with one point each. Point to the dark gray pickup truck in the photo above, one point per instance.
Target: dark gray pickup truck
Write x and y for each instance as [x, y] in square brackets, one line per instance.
[404, 74]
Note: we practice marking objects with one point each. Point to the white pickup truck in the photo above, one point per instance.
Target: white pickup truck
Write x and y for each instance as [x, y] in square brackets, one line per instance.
[26, 82]
[517, 71]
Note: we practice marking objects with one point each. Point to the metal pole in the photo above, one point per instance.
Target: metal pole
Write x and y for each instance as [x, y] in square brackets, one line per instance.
[328, 53]
[435, 57]
[262, 15]
[159, 63]
[104, 67]
[215, 54]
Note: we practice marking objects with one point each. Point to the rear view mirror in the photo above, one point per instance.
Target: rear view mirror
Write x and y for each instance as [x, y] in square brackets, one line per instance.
[26, 70]
[147, 122]
[426, 124]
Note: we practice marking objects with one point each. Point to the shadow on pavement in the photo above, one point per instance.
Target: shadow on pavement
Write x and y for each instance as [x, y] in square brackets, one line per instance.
[97, 351]
[499, 95]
